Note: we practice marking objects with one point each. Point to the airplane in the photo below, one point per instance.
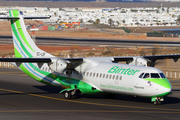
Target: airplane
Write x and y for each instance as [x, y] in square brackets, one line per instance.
[88, 75]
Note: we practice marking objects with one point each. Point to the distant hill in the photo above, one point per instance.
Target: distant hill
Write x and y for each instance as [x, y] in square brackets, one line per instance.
[85, 3]
[146, 1]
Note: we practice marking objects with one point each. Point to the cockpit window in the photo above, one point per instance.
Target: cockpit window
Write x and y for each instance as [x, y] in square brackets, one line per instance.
[162, 75]
[146, 75]
[141, 75]
[155, 75]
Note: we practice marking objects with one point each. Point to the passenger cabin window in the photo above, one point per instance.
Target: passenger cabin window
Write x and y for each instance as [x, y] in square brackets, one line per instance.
[103, 75]
[93, 74]
[113, 76]
[90, 74]
[120, 77]
[155, 75]
[141, 75]
[87, 74]
[146, 75]
[162, 75]
[117, 77]
[97, 75]
[110, 76]
[100, 75]
[107, 76]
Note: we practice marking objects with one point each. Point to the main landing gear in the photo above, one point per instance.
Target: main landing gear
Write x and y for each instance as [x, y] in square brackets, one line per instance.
[158, 100]
[69, 94]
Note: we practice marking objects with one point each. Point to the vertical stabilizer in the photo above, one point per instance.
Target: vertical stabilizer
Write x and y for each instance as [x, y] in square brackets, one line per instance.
[24, 46]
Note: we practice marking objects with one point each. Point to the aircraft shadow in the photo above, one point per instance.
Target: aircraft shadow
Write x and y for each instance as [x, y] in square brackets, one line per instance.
[176, 90]
[49, 88]
[171, 100]
[167, 99]
[46, 89]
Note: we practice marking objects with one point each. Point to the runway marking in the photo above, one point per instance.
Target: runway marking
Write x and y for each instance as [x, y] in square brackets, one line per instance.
[14, 73]
[91, 111]
[9, 72]
[173, 79]
[175, 83]
[11, 91]
[90, 103]
[176, 86]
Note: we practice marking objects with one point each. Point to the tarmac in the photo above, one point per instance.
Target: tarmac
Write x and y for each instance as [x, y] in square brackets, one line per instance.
[21, 97]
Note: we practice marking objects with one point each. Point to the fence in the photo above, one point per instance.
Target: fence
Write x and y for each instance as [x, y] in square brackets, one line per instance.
[6, 64]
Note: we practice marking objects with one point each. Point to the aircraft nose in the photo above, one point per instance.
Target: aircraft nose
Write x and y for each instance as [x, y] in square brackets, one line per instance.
[165, 83]
[167, 87]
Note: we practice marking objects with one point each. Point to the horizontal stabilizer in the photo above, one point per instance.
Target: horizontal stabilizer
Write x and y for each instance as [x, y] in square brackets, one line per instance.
[25, 17]
[30, 60]
[37, 17]
[9, 17]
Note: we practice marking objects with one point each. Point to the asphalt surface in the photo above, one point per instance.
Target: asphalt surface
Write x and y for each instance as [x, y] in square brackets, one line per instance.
[24, 98]
[60, 41]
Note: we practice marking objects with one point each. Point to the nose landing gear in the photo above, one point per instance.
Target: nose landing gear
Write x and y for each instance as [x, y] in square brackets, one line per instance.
[157, 100]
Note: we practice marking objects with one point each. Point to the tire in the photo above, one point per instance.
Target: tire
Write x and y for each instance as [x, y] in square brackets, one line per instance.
[67, 95]
[159, 102]
[155, 102]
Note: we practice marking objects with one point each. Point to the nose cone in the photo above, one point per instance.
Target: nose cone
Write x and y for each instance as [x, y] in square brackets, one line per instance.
[163, 88]
[164, 82]
[166, 87]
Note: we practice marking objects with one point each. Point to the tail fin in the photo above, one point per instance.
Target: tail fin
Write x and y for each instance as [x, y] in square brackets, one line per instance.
[24, 46]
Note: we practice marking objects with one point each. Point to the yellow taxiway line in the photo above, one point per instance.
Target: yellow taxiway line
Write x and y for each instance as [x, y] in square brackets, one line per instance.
[100, 104]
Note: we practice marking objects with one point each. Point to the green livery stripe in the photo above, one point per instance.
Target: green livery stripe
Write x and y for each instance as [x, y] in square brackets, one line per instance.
[86, 88]
[19, 28]
[160, 81]
[16, 34]
[22, 34]
[17, 54]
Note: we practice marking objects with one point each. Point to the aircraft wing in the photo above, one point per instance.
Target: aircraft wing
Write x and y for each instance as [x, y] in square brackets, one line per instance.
[151, 59]
[118, 59]
[74, 61]
[159, 57]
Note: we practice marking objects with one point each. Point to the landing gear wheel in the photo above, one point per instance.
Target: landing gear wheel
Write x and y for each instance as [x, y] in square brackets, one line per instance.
[67, 95]
[157, 102]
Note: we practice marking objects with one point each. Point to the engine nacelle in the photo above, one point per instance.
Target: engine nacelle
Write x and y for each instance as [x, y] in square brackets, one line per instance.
[58, 65]
[139, 61]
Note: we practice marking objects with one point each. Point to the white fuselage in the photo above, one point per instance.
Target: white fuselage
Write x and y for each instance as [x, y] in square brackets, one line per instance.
[123, 79]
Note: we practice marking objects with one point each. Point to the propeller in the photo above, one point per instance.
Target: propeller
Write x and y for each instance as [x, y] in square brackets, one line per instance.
[72, 64]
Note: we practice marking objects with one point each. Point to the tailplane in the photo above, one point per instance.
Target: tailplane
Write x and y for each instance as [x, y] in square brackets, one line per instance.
[24, 46]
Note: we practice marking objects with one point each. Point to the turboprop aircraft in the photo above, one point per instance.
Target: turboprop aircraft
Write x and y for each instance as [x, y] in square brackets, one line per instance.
[90, 75]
